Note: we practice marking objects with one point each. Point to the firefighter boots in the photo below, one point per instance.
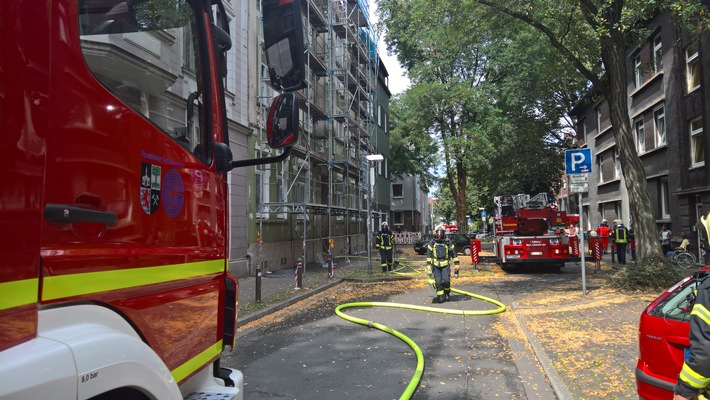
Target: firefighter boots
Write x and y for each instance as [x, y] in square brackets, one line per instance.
[440, 298]
[447, 297]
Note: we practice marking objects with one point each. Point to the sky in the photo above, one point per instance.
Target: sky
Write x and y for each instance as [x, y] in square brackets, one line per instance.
[398, 82]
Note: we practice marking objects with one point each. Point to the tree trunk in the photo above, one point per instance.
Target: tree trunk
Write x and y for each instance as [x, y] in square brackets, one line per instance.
[641, 207]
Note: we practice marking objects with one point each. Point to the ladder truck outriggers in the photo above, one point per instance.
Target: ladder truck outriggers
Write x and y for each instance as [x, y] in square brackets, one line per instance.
[530, 231]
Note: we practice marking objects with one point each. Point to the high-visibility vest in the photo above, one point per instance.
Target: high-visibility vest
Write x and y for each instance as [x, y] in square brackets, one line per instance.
[620, 233]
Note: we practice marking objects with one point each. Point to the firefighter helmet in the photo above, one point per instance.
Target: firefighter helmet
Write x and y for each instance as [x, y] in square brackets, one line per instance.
[440, 234]
[384, 225]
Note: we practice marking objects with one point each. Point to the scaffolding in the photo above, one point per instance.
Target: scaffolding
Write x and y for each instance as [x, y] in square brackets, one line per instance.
[319, 192]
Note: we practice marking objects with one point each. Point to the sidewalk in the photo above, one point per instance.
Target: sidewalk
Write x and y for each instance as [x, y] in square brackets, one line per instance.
[586, 344]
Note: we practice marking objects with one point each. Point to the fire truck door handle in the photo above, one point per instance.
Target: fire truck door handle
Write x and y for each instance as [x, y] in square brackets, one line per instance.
[72, 214]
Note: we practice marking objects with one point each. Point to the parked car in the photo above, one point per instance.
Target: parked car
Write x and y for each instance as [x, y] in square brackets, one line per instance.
[461, 242]
[663, 339]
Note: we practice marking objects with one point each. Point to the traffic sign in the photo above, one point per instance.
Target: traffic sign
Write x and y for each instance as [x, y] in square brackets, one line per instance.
[578, 178]
[578, 161]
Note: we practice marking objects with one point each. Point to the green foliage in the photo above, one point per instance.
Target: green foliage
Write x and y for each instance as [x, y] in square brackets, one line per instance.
[653, 273]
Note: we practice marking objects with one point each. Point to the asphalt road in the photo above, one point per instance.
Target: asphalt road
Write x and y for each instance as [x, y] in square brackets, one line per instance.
[313, 354]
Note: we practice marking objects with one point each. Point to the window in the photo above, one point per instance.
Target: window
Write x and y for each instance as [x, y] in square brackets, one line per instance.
[124, 54]
[692, 66]
[600, 164]
[617, 165]
[584, 132]
[665, 199]
[657, 54]
[659, 125]
[397, 190]
[637, 70]
[599, 120]
[697, 143]
[380, 116]
[398, 220]
[640, 136]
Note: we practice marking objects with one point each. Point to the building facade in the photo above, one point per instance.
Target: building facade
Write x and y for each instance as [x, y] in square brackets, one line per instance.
[668, 103]
[311, 206]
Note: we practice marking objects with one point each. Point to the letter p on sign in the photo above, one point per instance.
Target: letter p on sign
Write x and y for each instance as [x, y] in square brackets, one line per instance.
[578, 161]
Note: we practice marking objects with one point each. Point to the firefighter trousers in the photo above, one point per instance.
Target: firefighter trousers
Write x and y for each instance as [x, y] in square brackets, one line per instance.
[386, 256]
[442, 277]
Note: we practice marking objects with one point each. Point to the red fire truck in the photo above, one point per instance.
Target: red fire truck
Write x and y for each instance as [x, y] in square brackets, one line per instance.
[530, 231]
[114, 197]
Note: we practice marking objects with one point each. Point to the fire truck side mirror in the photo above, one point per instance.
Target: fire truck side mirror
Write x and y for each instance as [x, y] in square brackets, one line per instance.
[282, 125]
[283, 42]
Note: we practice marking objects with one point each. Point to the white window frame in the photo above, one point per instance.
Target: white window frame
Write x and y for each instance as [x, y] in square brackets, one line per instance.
[657, 53]
[261, 178]
[640, 133]
[659, 125]
[692, 64]
[599, 120]
[637, 70]
[398, 218]
[665, 199]
[617, 165]
[697, 135]
[600, 164]
[401, 192]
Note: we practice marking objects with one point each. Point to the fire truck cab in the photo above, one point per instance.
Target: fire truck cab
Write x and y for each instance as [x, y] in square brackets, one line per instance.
[530, 230]
[114, 213]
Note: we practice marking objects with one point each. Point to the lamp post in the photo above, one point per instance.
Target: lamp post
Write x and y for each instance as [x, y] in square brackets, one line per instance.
[370, 159]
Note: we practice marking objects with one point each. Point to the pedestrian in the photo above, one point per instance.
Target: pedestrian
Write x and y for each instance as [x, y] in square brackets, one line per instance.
[384, 241]
[632, 243]
[621, 239]
[439, 256]
[665, 236]
[603, 232]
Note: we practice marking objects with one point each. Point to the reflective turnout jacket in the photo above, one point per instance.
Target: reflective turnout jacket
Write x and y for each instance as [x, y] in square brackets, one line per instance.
[441, 253]
[694, 377]
[384, 240]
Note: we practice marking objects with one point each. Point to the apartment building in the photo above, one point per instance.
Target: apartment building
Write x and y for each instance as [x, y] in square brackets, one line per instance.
[668, 92]
[312, 205]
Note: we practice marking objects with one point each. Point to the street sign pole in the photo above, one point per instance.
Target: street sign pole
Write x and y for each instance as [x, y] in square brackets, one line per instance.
[578, 166]
[583, 253]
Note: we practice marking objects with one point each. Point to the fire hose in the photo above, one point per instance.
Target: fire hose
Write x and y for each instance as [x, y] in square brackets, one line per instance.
[419, 370]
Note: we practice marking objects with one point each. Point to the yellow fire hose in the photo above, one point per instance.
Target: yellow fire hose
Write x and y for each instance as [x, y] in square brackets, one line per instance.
[416, 378]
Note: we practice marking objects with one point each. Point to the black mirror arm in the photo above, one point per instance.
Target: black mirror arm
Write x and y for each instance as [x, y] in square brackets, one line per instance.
[260, 161]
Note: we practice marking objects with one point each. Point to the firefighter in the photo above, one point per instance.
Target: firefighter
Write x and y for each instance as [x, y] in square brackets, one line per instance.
[621, 238]
[694, 377]
[384, 242]
[604, 232]
[439, 256]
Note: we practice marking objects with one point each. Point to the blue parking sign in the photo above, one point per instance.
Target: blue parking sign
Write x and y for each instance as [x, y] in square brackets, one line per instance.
[578, 161]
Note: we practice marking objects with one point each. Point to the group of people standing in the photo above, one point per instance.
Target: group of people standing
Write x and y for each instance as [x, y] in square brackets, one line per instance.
[620, 236]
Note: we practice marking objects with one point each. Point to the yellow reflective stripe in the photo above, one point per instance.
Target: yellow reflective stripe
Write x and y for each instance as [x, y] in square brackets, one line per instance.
[693, 378]
[18, 293]
[196, 362]
[701, 312]
[56, 287]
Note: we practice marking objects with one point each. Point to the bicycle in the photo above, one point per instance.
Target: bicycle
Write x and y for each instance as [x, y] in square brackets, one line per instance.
[684, 259]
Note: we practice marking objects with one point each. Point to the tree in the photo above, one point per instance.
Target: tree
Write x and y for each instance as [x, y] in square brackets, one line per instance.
[478, 97]
[593, 36]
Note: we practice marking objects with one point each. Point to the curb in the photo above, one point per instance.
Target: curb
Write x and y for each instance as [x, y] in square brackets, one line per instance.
[558, 385]
[275, 307]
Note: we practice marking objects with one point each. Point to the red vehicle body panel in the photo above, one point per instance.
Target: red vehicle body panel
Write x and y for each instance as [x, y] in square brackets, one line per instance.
[662, 345]
[93, 156]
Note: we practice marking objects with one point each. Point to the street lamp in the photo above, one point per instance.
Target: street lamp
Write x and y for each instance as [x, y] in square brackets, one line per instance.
[372, 158]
